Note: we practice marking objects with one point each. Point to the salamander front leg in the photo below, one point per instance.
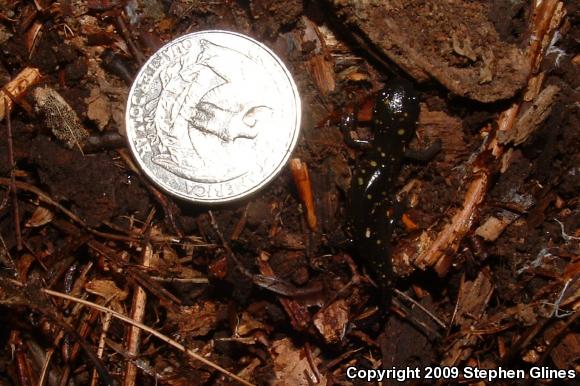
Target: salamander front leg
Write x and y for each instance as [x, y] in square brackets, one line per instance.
[348, 124]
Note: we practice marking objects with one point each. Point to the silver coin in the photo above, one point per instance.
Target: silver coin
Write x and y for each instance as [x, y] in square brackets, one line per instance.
[213, 116]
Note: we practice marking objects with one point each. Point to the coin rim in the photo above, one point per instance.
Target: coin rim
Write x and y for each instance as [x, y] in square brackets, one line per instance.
[159, 182]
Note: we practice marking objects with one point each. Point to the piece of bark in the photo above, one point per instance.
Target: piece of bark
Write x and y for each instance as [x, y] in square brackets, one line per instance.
[436, 39]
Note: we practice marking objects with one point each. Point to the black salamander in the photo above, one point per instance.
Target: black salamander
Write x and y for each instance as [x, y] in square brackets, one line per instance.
[374, 209]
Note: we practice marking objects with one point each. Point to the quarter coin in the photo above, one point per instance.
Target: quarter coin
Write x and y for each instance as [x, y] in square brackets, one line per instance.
[213, 116]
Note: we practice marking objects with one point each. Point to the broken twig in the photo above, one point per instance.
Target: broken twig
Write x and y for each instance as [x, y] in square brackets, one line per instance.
[13, 191]
[151, 331]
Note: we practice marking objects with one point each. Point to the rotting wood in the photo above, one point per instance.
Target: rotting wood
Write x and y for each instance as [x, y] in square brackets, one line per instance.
[422, 46]
[448, 239]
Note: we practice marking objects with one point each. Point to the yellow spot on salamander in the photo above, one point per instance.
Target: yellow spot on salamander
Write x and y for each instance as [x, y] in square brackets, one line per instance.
[360, 181]
[373, 163]
[368, 233]
[379, 243]
[401, 131]
[370, 196]
[383, 155]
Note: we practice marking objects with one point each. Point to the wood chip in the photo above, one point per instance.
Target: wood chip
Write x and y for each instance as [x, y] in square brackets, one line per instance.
[471, 305]
[17, 87]
[332, 321]
[291, 366]
[494, 226]
[473, 298]
[106, 289]
[98, 108]
[40, 217]
[531, 119]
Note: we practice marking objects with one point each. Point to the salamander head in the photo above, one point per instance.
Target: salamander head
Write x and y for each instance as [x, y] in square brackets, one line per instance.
[396, 112]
